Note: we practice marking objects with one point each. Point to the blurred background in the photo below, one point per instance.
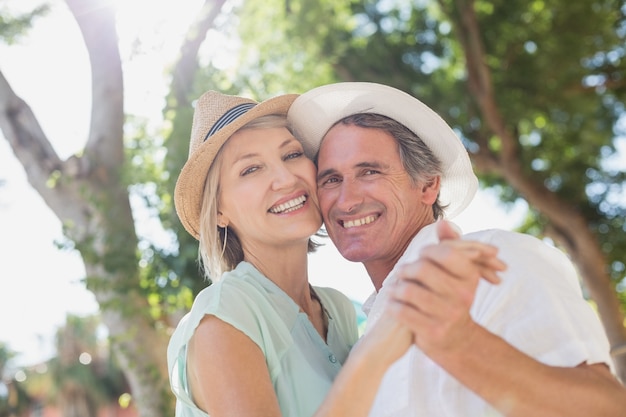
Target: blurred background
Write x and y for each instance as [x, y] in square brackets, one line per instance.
[96, 99]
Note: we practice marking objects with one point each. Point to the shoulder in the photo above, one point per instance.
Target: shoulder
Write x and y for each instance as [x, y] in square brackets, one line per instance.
[540, 283]
[240, 299]
[539, 306]
[524, 253]
[507, 240]
[502, 237]
[242, 288]
[233, 287]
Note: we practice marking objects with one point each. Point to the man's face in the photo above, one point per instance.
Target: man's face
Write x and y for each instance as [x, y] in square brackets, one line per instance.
[370, 205]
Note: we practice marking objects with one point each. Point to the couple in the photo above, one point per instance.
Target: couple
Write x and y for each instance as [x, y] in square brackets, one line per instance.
[492, 323]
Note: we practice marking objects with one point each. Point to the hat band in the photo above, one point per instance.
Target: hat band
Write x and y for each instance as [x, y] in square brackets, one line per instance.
[229, 117]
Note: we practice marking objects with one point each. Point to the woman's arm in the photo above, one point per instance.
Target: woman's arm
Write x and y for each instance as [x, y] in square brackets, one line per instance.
[227, 372]
[355, 387]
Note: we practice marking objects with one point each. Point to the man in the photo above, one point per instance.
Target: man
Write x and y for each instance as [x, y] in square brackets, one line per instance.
[389, 168]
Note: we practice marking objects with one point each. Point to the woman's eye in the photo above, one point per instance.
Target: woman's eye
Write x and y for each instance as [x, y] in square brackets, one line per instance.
[293, 155]
[249, 170]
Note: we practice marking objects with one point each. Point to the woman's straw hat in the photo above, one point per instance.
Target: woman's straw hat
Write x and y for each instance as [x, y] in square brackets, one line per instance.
[216, 117]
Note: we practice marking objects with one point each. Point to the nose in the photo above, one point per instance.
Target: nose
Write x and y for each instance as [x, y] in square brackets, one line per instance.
[349, 197]
[283, 177]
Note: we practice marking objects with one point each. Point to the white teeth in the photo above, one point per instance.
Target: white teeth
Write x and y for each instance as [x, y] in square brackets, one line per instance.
[290, 205]
[359, 222]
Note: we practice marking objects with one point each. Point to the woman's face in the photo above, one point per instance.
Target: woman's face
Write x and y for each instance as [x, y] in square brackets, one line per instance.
[268, 189]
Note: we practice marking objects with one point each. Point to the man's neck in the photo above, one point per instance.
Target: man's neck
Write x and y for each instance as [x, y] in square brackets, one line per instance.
[379, 270]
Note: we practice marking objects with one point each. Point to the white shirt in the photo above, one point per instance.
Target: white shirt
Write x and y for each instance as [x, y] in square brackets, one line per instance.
[538, 308]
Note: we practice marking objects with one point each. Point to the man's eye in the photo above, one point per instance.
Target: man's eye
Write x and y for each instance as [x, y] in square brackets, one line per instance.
[328, 181]
[370, 172]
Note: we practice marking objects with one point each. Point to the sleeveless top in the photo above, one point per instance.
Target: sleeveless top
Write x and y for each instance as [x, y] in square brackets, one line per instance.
[301, 365]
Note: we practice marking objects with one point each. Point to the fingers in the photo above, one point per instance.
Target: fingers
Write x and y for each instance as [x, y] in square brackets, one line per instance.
[460, 259]
[423, 278]
[454, 253]
[445, 231]
[433, 295]
[435, 322]
[444, 250]
[387, 340]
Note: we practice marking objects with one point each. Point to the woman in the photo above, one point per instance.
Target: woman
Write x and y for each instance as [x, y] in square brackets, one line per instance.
[260, 340]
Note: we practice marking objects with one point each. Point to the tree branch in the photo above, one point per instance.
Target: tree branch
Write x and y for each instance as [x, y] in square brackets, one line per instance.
[187, 65]
[44, 169]
[96, 20]
[28, 141]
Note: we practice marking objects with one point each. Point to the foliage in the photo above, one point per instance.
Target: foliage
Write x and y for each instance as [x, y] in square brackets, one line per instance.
[13, 397]
[14, 26]
[83, 372]
[274, 60]
[558, 69]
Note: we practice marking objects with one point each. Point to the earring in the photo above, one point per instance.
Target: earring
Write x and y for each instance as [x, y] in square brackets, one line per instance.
[225, 239]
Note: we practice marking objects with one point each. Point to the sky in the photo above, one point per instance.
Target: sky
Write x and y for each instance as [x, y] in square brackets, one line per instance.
[40, 284]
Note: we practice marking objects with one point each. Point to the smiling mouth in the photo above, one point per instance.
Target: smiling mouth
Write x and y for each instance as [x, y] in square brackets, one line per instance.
[289, 206]
[358, 222]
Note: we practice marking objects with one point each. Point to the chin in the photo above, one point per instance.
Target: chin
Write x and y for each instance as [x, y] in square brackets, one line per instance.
[353, 254]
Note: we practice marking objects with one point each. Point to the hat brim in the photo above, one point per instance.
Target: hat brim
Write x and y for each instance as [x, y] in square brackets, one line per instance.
[313, 113]
[190, 184]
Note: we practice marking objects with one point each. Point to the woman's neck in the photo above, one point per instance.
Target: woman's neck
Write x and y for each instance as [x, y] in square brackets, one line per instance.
[288, 269]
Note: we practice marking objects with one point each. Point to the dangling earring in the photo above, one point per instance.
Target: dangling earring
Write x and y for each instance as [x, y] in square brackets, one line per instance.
[225, 239]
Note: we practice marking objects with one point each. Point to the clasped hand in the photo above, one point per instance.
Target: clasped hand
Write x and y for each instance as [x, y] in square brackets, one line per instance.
[432, 296]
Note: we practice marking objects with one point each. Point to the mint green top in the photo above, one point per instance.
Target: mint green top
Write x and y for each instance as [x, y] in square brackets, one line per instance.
[301, 365]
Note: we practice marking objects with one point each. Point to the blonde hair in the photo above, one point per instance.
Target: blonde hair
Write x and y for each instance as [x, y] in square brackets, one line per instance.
[217, 256]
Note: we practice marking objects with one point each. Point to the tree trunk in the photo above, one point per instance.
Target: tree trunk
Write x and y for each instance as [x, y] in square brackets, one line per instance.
[89, 196]
[92, 202]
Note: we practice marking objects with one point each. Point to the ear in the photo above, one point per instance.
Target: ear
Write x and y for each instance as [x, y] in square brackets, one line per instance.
[430, 190]
[222, 221]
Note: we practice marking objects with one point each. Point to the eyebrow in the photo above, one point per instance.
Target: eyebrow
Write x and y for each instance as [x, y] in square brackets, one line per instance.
[245, 156]
[331, 171]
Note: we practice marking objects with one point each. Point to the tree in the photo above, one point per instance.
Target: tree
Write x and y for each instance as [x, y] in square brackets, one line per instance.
[536, 90]
[89, 194]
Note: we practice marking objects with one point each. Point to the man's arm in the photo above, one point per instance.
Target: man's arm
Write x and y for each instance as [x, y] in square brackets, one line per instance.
[518, 385]
[440, 291]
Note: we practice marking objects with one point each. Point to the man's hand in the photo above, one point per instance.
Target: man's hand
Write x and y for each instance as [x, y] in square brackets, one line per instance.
[433, 295]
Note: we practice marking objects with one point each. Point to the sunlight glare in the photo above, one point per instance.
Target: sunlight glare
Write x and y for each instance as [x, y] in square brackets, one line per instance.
[150, 34]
